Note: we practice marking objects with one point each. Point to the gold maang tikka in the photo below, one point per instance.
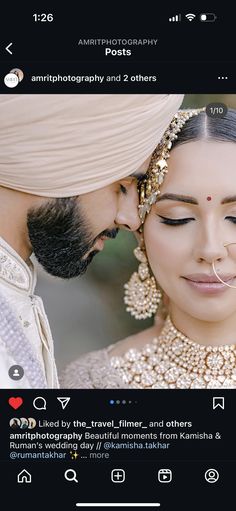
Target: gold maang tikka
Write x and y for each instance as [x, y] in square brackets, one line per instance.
[142, 295]
[149, 188]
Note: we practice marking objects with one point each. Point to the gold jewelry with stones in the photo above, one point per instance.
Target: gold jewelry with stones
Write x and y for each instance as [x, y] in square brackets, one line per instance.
[149, 186]
[173, 361]
[215, 272]
[141, 294]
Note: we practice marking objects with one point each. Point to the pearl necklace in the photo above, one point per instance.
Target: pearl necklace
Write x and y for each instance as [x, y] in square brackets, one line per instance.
[173, 361]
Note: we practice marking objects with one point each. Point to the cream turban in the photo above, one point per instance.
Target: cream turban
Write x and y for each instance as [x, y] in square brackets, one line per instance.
[65, 145]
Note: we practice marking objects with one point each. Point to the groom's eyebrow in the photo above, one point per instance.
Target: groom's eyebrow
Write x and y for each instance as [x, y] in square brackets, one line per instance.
[176, 197]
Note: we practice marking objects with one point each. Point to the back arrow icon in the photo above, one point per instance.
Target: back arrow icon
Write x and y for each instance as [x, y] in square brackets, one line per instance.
[7, 48]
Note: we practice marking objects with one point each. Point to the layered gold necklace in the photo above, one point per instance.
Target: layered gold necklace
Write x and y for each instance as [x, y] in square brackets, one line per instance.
[173, 361]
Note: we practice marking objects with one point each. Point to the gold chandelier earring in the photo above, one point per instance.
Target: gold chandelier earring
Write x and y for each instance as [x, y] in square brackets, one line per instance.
[142, 296]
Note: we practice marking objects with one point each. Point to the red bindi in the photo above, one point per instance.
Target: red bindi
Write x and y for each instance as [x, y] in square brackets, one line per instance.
[208, 197]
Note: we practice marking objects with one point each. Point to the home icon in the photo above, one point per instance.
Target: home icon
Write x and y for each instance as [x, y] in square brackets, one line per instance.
[24, 477]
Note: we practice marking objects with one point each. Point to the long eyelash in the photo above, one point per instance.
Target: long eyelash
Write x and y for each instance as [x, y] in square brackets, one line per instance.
[172, 221]
[232, 219]
[182, 221]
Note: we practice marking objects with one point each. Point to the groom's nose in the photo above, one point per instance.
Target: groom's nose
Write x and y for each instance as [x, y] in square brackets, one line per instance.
[127, 212]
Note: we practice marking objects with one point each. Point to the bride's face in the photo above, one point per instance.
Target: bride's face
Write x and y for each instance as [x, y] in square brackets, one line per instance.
[185, 232]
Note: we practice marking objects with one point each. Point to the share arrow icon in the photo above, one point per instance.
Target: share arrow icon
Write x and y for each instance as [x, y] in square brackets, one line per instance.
[64, 401]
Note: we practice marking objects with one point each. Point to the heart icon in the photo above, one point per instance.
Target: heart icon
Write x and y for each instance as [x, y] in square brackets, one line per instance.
[15, 402]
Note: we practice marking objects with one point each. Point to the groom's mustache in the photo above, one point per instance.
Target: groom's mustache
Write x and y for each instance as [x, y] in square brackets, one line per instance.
[111, 233]
[108, 233]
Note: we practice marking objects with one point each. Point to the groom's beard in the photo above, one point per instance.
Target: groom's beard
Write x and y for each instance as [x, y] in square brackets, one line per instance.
[60, 238]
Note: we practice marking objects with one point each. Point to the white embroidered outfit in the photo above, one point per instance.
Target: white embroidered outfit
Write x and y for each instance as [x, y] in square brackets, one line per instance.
[25, 336]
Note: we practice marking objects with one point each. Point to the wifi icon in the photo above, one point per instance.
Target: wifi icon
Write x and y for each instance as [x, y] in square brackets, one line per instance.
[190, 17]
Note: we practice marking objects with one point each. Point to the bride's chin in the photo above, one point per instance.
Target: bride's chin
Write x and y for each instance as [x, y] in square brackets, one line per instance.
[211, 314]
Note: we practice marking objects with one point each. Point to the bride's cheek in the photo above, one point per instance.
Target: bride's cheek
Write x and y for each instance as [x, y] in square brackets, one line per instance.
[167, 250]
[158, 244]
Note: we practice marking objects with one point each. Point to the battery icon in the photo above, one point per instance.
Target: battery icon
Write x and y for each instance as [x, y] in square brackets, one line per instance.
[208, 16]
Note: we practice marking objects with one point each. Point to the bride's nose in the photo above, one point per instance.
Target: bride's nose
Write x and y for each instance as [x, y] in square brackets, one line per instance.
[127, 216]
[209, 246]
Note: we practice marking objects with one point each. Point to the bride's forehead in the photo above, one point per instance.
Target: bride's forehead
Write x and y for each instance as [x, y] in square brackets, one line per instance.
[202, 168]
[200, 147]
[207, 157]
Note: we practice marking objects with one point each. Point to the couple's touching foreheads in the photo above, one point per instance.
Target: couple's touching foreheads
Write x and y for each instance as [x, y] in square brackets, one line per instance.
[74, 170]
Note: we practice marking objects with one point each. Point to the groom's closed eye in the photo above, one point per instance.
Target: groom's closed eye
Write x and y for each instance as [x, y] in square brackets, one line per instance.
[128, 181]
[123, 189]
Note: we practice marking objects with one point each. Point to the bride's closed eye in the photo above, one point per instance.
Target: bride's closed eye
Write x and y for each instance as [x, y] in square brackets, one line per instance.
[182, 221]
[175, 221]
[231, 218]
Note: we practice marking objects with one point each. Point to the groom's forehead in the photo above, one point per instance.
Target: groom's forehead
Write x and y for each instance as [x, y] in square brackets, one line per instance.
[138, 175]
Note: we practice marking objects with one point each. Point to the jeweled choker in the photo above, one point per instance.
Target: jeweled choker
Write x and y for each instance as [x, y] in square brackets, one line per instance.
[174, 361]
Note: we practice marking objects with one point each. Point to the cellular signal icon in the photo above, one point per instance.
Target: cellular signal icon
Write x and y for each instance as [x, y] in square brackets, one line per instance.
[177, 17]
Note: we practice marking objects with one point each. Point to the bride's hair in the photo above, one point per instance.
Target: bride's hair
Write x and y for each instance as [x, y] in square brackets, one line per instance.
[202, 126]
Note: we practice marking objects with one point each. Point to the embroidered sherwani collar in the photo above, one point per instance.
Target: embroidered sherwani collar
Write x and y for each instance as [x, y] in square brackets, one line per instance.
[14, 271]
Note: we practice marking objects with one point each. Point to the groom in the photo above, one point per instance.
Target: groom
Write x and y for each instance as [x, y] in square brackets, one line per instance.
[69, 166]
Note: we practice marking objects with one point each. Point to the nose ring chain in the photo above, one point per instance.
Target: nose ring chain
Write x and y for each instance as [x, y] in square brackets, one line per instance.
[215, 272]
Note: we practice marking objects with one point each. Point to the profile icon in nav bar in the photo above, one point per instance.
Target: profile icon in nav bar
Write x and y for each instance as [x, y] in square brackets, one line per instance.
[14, 77]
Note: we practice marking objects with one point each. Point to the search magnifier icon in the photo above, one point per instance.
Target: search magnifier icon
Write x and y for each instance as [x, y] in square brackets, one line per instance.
[70, 475]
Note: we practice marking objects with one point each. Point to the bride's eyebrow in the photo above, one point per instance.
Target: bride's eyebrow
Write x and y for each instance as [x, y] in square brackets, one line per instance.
[227, 200]
[176, 197]
[191, 200]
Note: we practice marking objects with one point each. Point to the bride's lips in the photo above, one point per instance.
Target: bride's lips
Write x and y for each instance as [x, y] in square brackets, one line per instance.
[209, 284]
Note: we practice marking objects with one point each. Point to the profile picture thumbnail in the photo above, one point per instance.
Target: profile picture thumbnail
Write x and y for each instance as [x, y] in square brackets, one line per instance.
[15, 423]
[18, 72]
[31, 423]
[22, 423]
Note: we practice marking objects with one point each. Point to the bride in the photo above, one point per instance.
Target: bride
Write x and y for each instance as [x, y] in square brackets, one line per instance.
[187, 268]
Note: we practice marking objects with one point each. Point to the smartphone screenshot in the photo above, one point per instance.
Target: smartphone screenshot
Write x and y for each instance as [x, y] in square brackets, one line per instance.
[117, 258]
